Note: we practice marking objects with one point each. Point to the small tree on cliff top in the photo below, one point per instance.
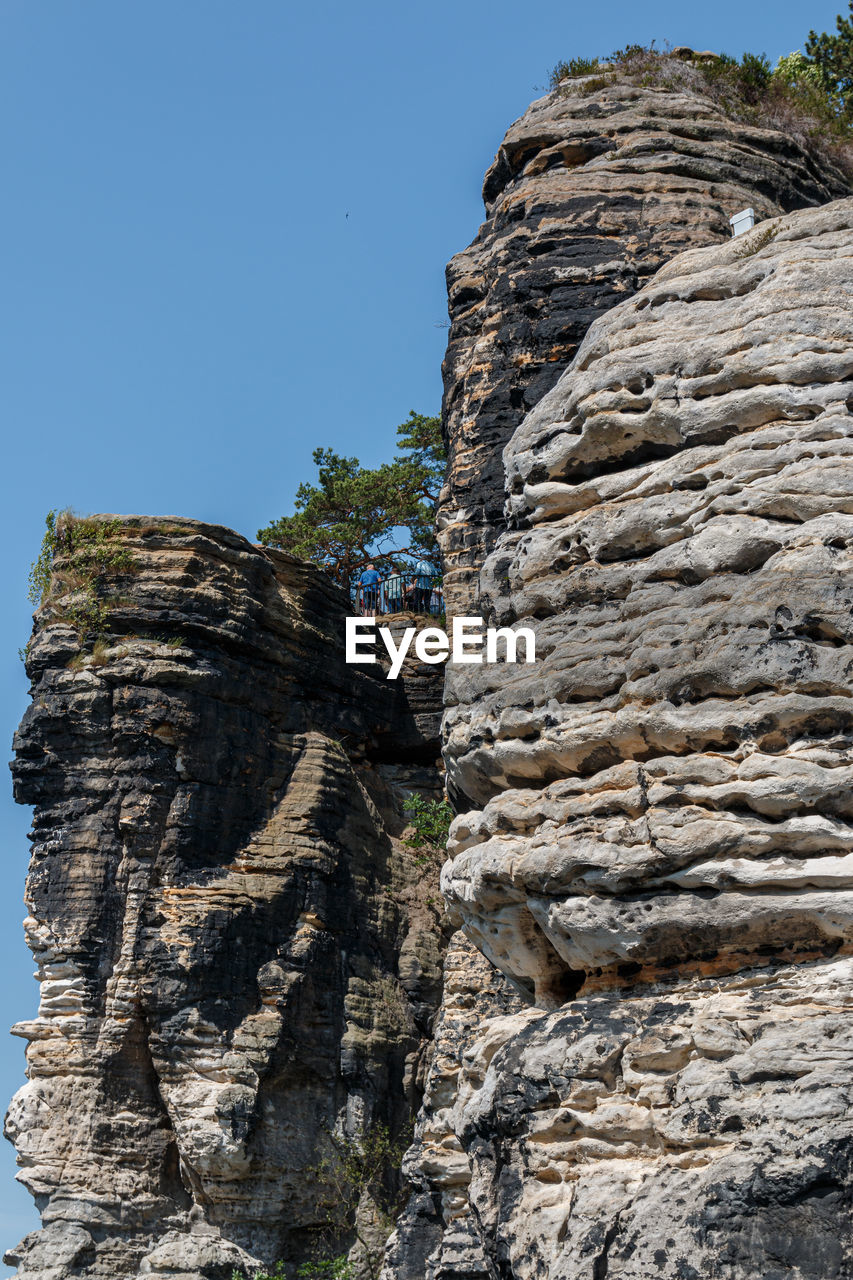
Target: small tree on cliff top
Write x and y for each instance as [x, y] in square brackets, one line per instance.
[808, 96]
[355, 515]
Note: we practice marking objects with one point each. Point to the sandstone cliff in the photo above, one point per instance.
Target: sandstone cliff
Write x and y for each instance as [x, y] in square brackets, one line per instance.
[592, 190]
[236, 952]
[663, 833]
[641, 1065]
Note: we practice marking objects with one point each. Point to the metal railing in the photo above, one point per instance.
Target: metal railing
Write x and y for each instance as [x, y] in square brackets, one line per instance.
[409, 592]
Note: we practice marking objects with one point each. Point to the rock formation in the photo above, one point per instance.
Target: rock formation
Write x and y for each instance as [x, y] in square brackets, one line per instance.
[594, 188]
[642, 1062]
[236, 952]
[663, 853]
[698, 1130]
[438, 1234]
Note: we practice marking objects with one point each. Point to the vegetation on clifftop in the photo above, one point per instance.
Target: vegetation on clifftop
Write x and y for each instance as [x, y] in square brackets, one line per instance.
[78, 561]
[359, 515]
[808, 95]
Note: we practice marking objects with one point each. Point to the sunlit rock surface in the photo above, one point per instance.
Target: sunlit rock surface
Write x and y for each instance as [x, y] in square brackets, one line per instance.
[593, 189]
[674, 771]
[699, 1129]
[657, 843]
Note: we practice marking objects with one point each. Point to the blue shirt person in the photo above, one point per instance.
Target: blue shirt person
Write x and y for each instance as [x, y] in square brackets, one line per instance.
[423, 586]
[369, 584]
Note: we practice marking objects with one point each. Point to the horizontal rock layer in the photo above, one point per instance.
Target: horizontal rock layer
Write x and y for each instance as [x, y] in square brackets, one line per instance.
[237, 954]
[670, 775]
[657, 842]
[696, 1131]
[594, 188]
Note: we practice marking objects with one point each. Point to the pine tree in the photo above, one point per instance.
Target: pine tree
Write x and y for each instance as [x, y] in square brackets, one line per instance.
[833, 56]
[358, 515]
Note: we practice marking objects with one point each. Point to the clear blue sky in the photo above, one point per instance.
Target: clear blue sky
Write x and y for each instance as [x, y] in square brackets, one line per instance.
[186, 309]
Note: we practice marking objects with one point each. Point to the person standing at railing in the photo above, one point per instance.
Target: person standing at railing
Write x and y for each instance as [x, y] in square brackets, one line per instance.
[394, 593]
[423, 586]
[369, 589]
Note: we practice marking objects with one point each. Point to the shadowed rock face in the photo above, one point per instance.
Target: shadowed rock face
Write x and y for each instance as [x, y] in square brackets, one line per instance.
[591, 192]
[236, 952]
[665, 831]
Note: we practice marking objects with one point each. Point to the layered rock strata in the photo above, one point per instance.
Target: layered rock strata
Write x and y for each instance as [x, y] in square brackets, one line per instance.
[644, 1066]
[237, 954]
[662, 843]
[438, 1235]
[594, 188]
[696, 1130]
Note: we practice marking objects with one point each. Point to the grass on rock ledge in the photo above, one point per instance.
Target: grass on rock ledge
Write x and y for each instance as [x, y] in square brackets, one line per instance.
[798, 96]
[77, 565]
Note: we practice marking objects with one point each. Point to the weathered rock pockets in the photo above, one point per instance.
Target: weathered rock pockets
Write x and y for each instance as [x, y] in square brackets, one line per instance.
[236, 951]
[658, 823]
[694, 1130]
[683, 551]
[591, 192]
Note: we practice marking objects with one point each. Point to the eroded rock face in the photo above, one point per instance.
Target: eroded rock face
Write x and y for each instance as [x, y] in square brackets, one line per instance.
[672, 772]
[591, 192]
[695, 1131]
[661, 842]
[236, 952]
[437, 1237]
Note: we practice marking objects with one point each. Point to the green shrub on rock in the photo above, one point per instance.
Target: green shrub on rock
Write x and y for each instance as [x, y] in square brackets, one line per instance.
[78, 559]
[430, 820]
[808, 95]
